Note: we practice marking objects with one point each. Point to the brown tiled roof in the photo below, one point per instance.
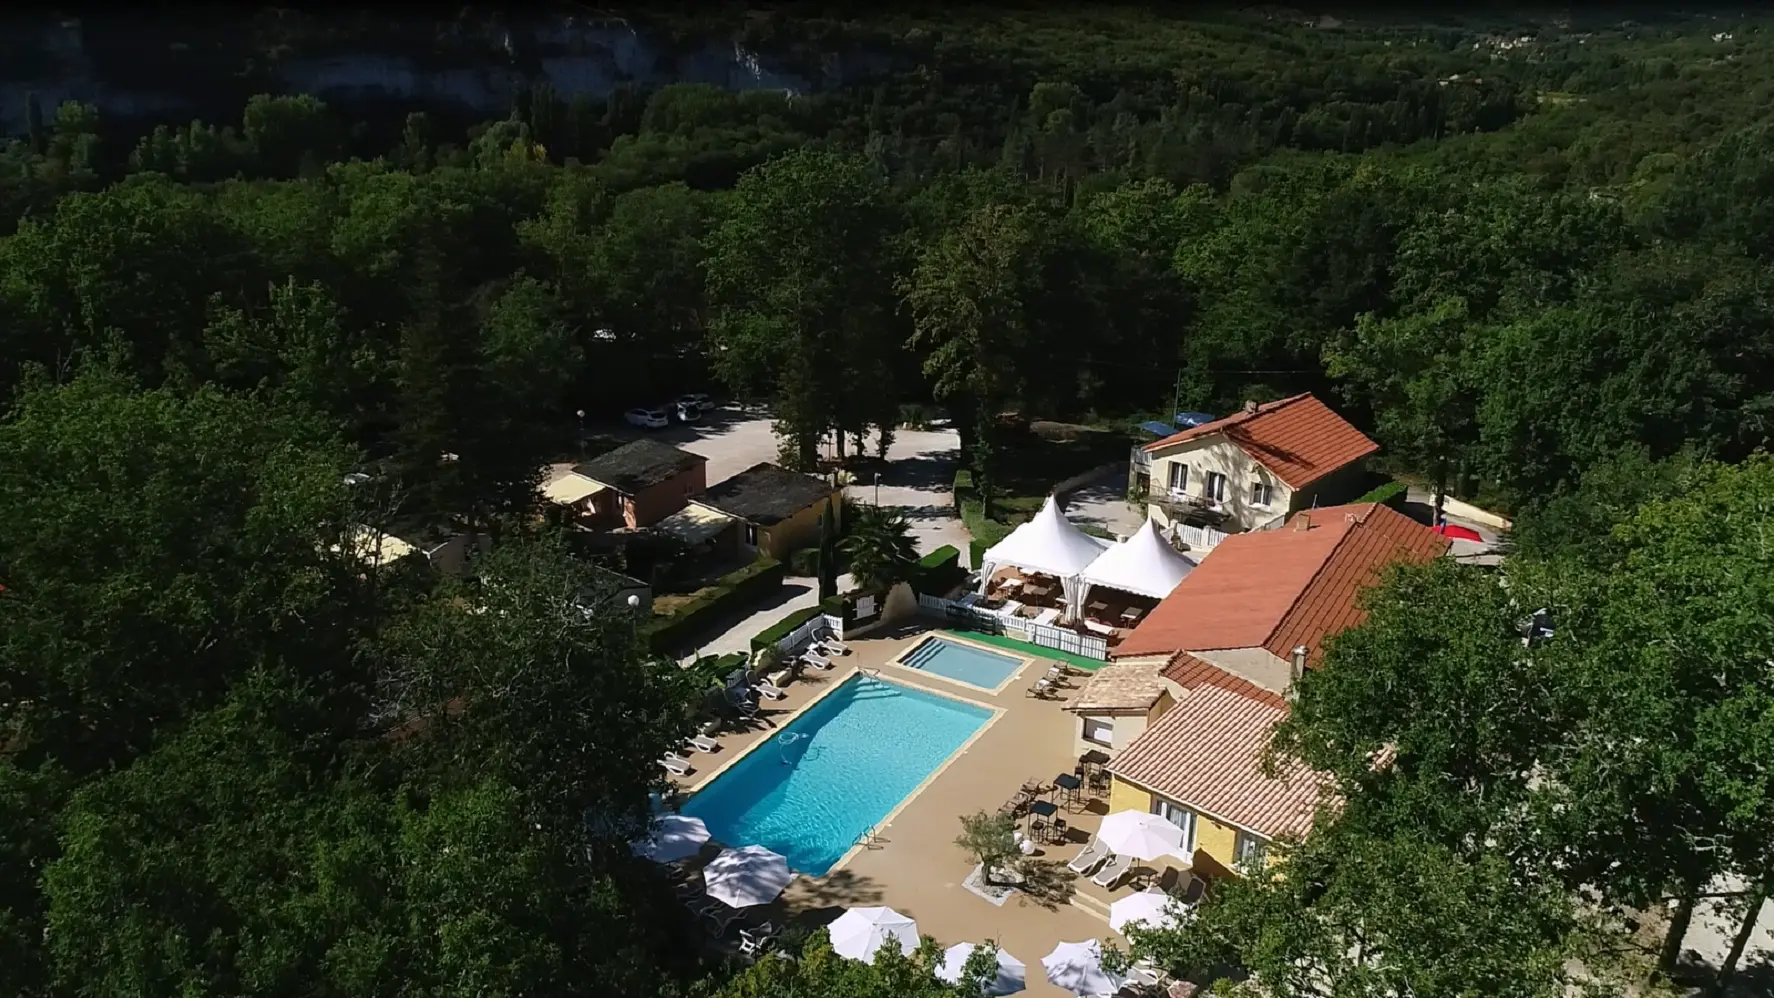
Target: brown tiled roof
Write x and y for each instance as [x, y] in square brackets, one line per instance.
[1298, 438]
[1189, 672]
[1277, 589]
[1206, 753]
[1121, 686]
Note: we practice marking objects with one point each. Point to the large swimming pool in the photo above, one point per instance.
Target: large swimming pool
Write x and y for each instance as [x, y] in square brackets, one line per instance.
[814, 787]
[964, 663]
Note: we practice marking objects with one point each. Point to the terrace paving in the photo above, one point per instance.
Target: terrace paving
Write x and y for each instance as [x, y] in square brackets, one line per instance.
[912, 864]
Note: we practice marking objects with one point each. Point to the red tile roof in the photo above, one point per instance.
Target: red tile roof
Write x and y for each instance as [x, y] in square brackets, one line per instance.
[1189, 672]
[1278, 589]
[1298, 438]
[1206, 752]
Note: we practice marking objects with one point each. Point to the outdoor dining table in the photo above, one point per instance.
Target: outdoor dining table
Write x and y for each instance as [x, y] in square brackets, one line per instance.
[1069, 782]
[1131, 614]
[1043, 809]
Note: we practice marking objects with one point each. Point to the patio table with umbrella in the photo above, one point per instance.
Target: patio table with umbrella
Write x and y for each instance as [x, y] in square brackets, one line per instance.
[1140, 835]
[860, 932]
[740, 878]
[672, 837]
[1078, 967]
[1012, 973]
[1153, 907]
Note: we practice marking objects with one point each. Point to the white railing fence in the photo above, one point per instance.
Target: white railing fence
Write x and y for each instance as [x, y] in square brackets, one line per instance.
[1199, 538]
[985, 621]
[803, 635]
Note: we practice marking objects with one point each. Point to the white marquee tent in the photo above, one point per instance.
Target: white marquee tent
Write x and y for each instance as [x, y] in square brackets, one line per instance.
[1144, 564]
[1048, 544]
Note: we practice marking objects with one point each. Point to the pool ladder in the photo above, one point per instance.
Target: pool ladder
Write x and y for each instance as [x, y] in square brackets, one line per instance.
[867, 837]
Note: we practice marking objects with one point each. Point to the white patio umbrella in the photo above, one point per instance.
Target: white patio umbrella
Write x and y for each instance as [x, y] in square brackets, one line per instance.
[1155, 908]
[672, 838]
[1140, 835]
[741, 878]
[1078, 967]
[859, 932]
[1012, 974]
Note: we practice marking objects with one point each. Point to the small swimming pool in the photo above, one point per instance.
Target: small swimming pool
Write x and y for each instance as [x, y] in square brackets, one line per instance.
[814, 787]
[963, 663]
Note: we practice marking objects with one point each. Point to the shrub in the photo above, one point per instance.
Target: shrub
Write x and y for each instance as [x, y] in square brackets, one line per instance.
[964, 493]
[977, 548]
[782, 628]
[734, 589]
[1388, 494]
[804, 562]
[939, 571]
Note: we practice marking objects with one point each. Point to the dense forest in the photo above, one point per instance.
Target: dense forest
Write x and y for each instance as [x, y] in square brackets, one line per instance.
[1530, 257]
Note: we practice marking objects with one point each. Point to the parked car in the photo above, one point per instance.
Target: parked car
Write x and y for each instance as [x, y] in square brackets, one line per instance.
[697, 400]
[688, 413]
[651, 419]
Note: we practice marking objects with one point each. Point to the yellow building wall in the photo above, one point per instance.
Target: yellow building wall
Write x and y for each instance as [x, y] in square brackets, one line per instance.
[1124, 796]
[798, 531]
[1216, 843]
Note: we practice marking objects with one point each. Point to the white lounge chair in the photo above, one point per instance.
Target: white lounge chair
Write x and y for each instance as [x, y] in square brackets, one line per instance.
[1111, 874]
[831, 646]
[703, 743]
[773, 692]
[676, 763]
[816, 660]
[753, 942]
[1087, 860]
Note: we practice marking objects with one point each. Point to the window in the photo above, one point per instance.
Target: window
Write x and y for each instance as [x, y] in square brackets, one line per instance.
[1261, 493]
[1216, 486]
[1249, 852]
[1179, 477]
[1181, 817]
[751, 535]
[1099, 730]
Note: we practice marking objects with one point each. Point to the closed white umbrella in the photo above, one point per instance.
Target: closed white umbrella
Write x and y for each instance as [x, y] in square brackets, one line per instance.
[1155, 908]
[1139, 834]
[1012, 974]
[1078, 967]
[741, 878]
[672, 838]
[859, 932]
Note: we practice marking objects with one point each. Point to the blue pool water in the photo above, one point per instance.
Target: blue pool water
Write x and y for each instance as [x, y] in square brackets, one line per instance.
[962, 663]
[813, 788]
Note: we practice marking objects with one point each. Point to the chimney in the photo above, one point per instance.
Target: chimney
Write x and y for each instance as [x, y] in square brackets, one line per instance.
[1298, 670]
[1250, 406]
[1303, 522]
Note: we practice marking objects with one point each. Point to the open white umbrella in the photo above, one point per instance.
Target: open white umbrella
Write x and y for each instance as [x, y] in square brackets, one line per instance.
[859, 932]
[1078, 967]
[741, 878]
[672, 838]
[1139, 834]
[1012, 974]
[1155, 908]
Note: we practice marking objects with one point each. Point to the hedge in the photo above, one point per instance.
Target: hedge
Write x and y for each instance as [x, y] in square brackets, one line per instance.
[804, 562]
[977, 548]
[734, 589]
[939, 571]
[782, 628]
[1389, 494]
[963, 488]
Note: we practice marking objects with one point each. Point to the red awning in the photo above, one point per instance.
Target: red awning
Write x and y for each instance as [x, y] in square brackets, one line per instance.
[1459, 533]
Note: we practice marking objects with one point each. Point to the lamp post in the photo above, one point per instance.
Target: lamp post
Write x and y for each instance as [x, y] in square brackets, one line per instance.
[581, 414]
[877, 488]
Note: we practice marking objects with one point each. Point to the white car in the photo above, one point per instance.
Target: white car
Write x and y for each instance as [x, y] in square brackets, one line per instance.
[651, 419]
[696, 400]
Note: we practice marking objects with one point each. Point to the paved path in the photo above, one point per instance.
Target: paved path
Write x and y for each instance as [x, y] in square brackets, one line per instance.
[920, 480]
[1709, 940]
[1103, 503]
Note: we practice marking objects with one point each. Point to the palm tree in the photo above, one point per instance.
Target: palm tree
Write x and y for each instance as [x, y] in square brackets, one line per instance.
[880, 548]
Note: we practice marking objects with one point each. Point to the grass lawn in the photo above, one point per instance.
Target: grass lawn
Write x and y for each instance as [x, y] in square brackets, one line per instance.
[1033, 650]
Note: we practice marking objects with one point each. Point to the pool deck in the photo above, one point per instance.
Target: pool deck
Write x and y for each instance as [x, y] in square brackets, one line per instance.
[913, 865]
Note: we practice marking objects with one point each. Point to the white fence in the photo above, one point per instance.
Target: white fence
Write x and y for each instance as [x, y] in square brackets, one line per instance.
[977, 619]
[1198, 538]
[803, 634]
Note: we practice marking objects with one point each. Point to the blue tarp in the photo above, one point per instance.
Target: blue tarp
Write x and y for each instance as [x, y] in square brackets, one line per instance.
[1158, 429]
[1184, 420]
